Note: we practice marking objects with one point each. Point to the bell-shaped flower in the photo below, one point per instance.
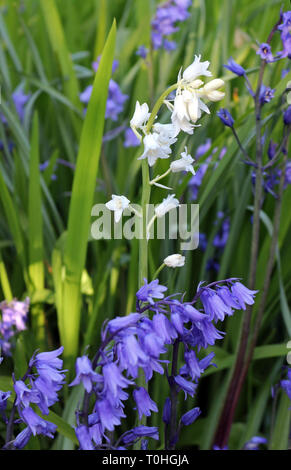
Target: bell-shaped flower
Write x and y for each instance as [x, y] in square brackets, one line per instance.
[144, 402]
[158, 143]
[117, 205]
[183, 164]
[168, 204]
[190, 416]
[196, 69]
[85, 373]
[140, 116]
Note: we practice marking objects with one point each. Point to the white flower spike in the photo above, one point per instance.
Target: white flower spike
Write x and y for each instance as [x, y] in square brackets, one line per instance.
[117, 205]
[174, 261]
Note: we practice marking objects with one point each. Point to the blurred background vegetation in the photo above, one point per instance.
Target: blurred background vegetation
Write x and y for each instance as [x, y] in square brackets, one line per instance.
[46, 49]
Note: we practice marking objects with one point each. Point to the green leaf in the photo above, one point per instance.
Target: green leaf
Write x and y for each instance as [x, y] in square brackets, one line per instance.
[280, 434]
[82, 198]
[59, 46]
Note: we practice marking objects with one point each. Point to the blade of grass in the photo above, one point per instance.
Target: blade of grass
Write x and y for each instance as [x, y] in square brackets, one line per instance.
[35, 232]
[82, 198]
[59, 46]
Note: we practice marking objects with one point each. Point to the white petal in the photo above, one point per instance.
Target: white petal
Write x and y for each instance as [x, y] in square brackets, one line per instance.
[117, 215]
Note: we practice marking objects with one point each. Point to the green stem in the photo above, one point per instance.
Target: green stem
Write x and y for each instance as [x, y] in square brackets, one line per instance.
[158, 105]
[158, 271]
[159, 177]
[143, 243]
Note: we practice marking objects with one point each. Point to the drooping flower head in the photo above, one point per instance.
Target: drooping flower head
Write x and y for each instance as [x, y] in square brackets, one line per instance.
[188, 102]
[235, 68]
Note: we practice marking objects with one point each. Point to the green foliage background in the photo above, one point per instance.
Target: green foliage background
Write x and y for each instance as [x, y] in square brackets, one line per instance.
[46, 252]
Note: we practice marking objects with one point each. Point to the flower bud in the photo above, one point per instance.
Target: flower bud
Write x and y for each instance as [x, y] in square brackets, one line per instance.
[175, 261]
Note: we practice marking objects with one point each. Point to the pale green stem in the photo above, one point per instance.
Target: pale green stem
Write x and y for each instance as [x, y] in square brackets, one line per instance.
[159, 177]
[158, 271]
[150, 224]
[158, 105]
[145, 200]
[135, 211]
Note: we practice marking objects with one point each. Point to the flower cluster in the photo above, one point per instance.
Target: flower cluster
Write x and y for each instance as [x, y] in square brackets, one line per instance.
[285, 30]
[115, 100]
[14, 317]
[38, 387]
[123, 352]
[158, 138]
[139, 342]
[164, 24]
[271, 174]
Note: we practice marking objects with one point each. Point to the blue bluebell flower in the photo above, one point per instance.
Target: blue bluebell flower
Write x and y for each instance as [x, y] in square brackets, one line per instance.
[287, 116]
[191, 416]
[288, 173]
[221, 237]
[113, 379]
[49, 365]
[191, 366]
[286, 383]
[266, 94]
[150, 291]
[243, 295]
[115, 99]
[14, 320]
[214, 305]
[85, 374]
[272, 149]
[3, 399]
[164, 24]
[164, 328]
[36, 424]
[84, 438]
[255, 442]
[189, 388]
[22, 438]
[142, 51]
[109, 415]
[24, 394]
[131, 139]
[265, 52]
[235, 68]
[20, 99]
[225, 117]
[144, 402]
[3, 404]
[138, 432]
[120, 323]
[225, 294]
[202, 334]
[285, 35]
